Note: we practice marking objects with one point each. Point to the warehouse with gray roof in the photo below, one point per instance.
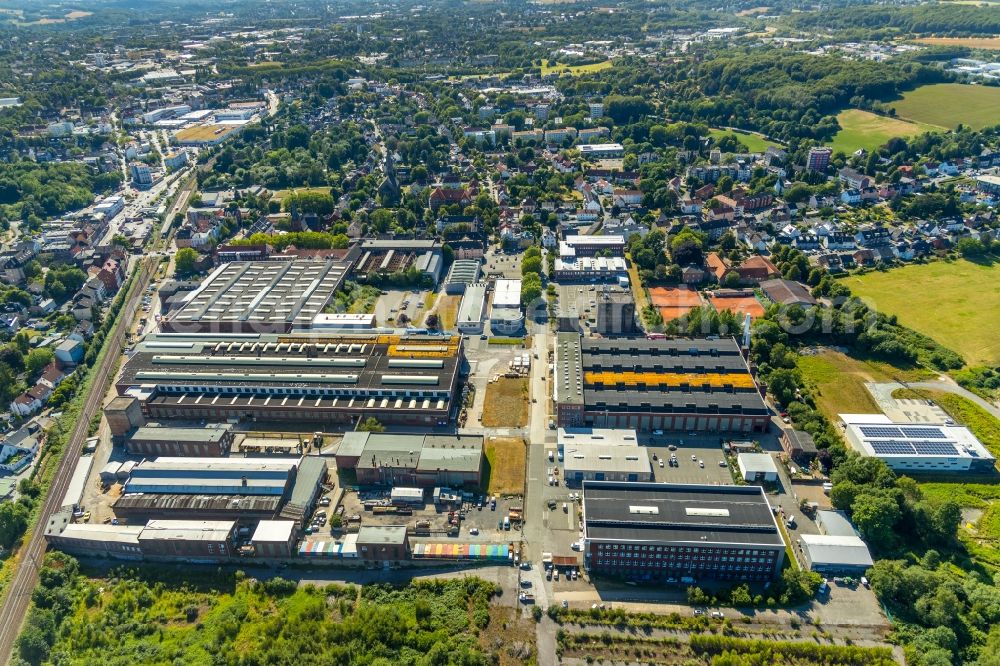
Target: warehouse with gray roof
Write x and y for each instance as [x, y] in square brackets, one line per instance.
[331, 378]
[390, 459]
[259, 297]
[463, 272]
[671, 531]
[642, 384]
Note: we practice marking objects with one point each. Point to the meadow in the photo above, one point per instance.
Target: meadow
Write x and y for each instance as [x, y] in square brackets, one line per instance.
[549, 67]
[863, 129]
[957, 303]
[754, 142]
[948, 104]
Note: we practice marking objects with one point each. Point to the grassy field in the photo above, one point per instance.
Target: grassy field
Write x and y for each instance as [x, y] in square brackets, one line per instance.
[838, 383]
[279, 195]
[506, 457]
[956, 303]
[754, 142]
[506, 403]
[970, 42]
[948, 104]
[863, 129]
[548, 67]
[447, 311]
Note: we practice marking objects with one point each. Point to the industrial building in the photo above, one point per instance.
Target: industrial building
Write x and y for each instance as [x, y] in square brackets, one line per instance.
[601, 151]
[757, 467]
[675, 384]
[390, 459]
[220, 488]
[322, 379]
[832, 555]
[77, 483]
[604, 269]
[567, 438]
[472, 309]
[259, 297]
[799, 445]
[573, 247]
[462, 273]
[205, 441]
[506, 317]
[669, 532]
[189, 540]
[917, 447]
[385, 257]
[383, 544]
[274, 538]
[341, 321]
[603, 462]
[616, 313]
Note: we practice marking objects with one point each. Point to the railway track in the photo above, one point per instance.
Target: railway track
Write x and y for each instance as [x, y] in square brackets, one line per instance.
[14, 607]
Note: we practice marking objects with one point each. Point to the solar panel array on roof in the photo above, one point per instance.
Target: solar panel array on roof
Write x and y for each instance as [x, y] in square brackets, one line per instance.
[880, 431]
[923, 431]
[899, 447]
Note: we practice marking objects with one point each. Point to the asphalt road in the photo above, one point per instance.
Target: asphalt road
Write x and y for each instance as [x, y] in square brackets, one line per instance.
[15, 604]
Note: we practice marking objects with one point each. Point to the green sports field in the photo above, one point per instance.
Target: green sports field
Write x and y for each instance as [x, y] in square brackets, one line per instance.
[753, 142]
[863, 129]
[956, 303]
[948, 104]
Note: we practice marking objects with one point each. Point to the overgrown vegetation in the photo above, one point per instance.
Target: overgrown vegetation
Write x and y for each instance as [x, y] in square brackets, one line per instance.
[148, 618]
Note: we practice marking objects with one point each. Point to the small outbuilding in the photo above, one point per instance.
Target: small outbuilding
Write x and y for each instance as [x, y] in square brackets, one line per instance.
[757, 467]
[826, 554]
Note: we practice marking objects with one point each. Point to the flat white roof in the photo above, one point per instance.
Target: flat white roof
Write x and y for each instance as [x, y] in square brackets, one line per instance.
[834, 550]
[103, 533]
[884, 438]
[273, 530]
[78, 481]
[507, 293]
[600, 147]
[757, 463]
[611, 239]
[596, 437]
[605, 458]
[188, 530]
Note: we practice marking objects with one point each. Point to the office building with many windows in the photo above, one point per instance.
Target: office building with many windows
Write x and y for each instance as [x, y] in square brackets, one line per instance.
[673, 532]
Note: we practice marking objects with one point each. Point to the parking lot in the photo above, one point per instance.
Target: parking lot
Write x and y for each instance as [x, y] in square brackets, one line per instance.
[394, 302]
[698, 459]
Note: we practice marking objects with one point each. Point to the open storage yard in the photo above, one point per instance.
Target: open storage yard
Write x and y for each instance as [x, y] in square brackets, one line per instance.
[506, 458]
[506, 404]
[948, 104]
[956, 303]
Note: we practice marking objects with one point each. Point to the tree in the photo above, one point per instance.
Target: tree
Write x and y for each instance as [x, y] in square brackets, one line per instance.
[876, 514]
[531, 265]
[531, 288]
[782, 383]
[686, 248]
[371, 424]
[37, 360]
[185, 260]
[13, 522]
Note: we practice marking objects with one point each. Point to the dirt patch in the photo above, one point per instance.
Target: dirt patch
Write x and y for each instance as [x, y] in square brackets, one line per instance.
[506, 403]
[510, 637]
[506, 458]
